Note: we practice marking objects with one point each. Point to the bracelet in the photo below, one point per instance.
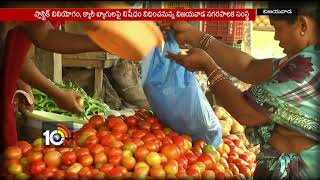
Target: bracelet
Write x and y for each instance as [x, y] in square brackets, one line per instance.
[213, 71]
[206, 40]
[217, 78]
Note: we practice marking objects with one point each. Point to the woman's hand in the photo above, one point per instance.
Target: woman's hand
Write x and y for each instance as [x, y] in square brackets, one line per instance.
[195, 60]
[69, 100]
[181, 29]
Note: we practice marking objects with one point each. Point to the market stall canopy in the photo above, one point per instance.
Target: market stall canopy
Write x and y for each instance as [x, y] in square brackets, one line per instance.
[131, 40]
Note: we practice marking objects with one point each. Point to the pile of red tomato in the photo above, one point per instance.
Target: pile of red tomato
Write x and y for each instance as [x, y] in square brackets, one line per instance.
[133, 146]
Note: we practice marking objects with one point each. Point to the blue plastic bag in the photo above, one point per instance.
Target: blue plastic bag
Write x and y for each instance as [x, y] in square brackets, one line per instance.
[176, 97]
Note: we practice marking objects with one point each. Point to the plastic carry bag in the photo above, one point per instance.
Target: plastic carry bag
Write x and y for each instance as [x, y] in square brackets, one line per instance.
[176, 97]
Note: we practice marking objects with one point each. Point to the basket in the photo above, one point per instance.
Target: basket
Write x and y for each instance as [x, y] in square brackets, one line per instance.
[30, 124]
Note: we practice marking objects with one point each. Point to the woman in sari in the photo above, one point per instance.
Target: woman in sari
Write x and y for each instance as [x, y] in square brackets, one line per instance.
[281, 109]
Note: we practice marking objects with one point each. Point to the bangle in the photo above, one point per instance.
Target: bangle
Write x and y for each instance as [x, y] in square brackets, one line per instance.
[206, 40]
[213, 71]
[217, 78]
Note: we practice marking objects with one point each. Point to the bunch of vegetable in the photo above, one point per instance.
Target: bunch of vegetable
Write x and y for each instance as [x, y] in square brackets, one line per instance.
[91, 105]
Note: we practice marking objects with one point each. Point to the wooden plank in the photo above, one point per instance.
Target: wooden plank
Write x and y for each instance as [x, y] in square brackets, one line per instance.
[68, 62]
[57, 67]
[98, 80]
[110, 62]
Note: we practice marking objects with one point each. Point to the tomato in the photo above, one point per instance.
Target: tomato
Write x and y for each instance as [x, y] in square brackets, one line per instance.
[34, 156]
[37, 167]
[14, 168]
[125, 137]
[187, 136]
[13, 152]
[82, 151]
[115, 152]
[96, 121]
[182, 173]
[128, 162]
[71, 175]
[220, 175]
[91, 141]
[130, 146]
[234, 169]
[172, 134]
[166, 140]
[151, 145]
[88, 131]
[157, 171]
[59, 174]
[148, 137]
[217, 167]
[232, 153]
[138, 133]
[141, 153]
[144, 125]
[120, 127]
[116, 143]
[47, 149]
[106, 168]
[159, 134]
[138, 141]
[178, 140]
[131, 120]
[150, 120]
[199, 143]
[112, 121]
[171, 167]
[158, 143]
[24, 146]
[48, 172]
[69, 158]
[191, 157]
[103, 128]
[156, 126]
[171, 151]
[193, 171]
[52, 158]
[106, 139]
[182, 161]
[207, 159]
[63, 150]
[85, 160]
[231, 159]
[116, 172]
[117, 134]
[240, 163]
[197, 151]
[208, 174]
[100, 158]
[115, 160]
[98, 148]
[87, 126]
[85, 172]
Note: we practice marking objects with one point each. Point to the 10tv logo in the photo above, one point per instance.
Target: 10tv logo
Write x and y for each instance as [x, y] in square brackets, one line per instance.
[58, 136]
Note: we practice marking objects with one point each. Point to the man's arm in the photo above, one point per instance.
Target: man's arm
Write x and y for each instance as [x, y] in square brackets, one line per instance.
[44, 36]
[65, 99]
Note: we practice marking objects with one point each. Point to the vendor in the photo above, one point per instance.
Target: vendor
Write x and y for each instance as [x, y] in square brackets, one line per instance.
[18, 39]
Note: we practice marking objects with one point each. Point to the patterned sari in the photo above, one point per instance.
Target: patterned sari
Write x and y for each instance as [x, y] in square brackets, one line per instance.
[290, 99]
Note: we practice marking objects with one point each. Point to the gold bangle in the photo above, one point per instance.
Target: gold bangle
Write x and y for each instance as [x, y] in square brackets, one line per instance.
[217, 78]
[206, 40]
[213, 71]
